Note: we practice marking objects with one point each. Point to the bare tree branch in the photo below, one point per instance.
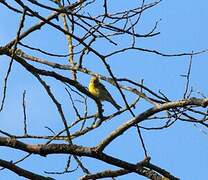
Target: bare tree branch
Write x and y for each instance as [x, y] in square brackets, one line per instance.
[22, 172]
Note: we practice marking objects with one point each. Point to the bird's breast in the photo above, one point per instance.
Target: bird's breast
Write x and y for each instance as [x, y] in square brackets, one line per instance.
[93, 90]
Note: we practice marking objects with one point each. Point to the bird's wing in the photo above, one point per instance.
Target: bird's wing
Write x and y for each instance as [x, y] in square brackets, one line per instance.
[107, 96]
[102, 86]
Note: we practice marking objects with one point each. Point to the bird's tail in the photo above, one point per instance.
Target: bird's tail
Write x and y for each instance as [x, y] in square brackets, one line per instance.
[115, 104]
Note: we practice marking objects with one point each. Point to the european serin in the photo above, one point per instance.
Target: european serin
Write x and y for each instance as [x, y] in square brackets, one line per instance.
[97, 89]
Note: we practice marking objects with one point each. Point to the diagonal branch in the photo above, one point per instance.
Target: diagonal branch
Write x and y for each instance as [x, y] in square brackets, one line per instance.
[21, 171]
[55, 75]
[149, 112]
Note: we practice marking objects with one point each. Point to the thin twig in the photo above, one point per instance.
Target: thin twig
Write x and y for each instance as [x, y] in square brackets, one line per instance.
[24, 112]
[188, 77]
[12, 58]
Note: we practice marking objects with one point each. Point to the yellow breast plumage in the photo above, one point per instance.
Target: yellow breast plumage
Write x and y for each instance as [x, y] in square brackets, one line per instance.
[93, 89]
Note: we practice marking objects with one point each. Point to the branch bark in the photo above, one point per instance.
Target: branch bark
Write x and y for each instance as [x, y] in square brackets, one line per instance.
[22, 172]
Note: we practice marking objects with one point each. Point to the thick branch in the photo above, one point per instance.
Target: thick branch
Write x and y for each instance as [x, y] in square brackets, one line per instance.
[166, 106]
[22, 172]
[44, 150]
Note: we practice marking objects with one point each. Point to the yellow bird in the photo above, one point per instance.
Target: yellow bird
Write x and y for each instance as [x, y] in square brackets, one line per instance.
[97, 89]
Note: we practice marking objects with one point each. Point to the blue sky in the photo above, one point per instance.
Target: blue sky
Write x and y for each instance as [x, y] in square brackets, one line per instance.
[181, 149]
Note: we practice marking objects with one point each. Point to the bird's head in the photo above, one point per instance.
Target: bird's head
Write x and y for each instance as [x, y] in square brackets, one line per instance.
[94, 80]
